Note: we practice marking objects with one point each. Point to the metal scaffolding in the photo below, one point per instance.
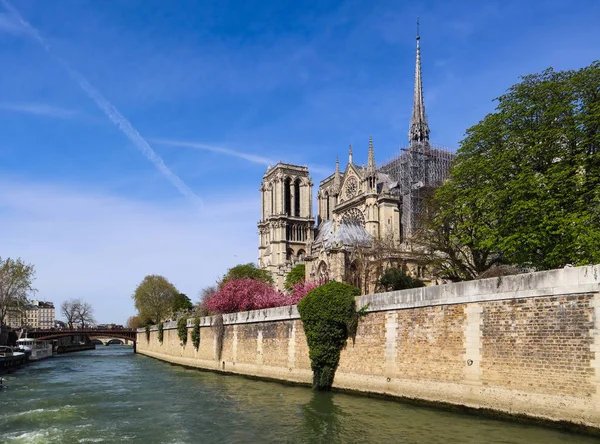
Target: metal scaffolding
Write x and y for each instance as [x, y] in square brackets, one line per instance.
[418, 169]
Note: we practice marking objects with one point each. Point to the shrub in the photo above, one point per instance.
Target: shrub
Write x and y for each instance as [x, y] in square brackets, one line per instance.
[148, 333]
[182, 330]
[296, 275]
[328, 313]
[244, 294]
[219, 332]
[196, 333]
[160, 332]
[246, 271]
[395, 279]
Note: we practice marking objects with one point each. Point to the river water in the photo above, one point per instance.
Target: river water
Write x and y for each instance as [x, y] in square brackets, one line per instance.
[112, 395]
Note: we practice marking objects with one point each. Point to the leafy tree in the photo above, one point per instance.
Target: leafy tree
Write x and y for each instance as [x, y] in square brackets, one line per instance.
[135, 322]
[328, 316]
[296, 275]
[245, 294]
[182, 303]
[247, 271]
[525, 186]
[154, 298]
[16, 280]
[396, 279]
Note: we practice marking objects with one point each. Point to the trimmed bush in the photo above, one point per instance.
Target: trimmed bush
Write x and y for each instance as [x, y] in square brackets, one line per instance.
[196, 333]
[160, 332]
[182, 330]
[328, 316]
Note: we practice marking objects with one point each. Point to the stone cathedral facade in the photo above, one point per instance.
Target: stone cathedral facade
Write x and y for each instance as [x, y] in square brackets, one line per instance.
[363, 212]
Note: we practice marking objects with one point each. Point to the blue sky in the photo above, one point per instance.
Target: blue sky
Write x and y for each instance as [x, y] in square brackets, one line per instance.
[217, 90]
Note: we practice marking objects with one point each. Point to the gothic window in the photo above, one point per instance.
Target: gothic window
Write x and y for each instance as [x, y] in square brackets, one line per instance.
[301, 254]
[351, 187]
[353, 216]
[297, 198]
[327, 205]
[287, 196]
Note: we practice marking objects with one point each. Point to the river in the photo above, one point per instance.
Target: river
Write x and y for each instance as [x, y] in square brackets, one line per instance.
[112, 395]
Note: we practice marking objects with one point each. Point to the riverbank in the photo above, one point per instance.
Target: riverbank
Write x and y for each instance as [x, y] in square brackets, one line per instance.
[522, 345]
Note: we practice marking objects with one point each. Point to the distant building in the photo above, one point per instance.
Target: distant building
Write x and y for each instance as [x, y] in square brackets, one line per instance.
[36, 314]
[46, 314]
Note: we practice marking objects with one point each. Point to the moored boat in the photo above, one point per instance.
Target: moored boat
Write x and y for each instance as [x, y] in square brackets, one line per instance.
[35, 348]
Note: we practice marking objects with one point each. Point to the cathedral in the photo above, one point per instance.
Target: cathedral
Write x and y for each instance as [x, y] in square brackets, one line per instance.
[367, 216]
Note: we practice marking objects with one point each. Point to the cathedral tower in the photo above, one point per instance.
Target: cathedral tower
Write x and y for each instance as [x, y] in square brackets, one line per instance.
[286, 226]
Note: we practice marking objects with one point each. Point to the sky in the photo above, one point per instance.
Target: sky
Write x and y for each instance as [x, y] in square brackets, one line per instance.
[134, 134]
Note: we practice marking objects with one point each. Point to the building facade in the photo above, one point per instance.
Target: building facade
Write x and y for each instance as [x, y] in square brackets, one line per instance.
[367, 216]
[36, 314]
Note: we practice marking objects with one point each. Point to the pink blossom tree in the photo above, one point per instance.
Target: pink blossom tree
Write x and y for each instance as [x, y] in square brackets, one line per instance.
[244, 294]
[300, 290]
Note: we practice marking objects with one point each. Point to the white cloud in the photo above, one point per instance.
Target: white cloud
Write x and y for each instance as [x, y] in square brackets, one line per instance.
[99, 247]
[39, 109]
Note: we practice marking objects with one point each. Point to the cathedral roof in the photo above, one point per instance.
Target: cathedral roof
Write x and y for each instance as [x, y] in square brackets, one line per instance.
[347, 234]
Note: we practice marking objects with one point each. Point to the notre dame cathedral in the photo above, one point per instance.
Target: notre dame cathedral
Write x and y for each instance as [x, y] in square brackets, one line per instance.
[367, 216]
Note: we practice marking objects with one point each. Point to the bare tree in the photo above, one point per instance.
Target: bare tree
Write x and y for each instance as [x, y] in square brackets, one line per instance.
[16, 279]
[85, 314]
[200, 306]
[70, 310]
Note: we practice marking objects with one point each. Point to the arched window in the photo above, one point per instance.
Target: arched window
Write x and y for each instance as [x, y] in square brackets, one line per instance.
[301, 254]
[286, 196]
[297, 198]
[326, 205]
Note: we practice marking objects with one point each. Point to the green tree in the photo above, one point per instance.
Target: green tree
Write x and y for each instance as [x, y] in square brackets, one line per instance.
[182, 303]
[247, 271]
[525, 186]
[395, 279]
[296, 275]
[154, 298]
[16, 283]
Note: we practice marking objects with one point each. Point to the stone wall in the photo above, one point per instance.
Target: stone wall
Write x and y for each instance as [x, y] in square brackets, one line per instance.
[526, 344]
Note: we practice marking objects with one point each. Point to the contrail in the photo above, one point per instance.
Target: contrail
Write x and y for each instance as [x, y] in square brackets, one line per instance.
[217, 149]
[110, 110]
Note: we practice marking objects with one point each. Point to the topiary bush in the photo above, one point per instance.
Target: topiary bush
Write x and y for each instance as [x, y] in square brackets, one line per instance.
[328, 316]
[196, 333]
[148, 333]
[182, 330]
[160, 332]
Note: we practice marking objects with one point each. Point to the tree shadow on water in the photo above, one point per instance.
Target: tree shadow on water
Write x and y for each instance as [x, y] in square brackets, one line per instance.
[324, 421]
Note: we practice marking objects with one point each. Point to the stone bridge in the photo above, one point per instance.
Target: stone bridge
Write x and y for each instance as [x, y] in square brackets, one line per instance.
[126, 335]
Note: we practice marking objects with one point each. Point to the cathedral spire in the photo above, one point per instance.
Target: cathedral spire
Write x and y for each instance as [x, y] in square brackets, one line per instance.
[419, 130]
[371, 161]
[337, 180]
[350, 155]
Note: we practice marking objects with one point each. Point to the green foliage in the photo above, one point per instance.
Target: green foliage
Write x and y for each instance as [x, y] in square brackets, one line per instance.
[525, 185]
[247, 271]
[196, 333]
[160, 332]
[16, 283]
[182, 330]
[148, 333]
[154, 298]
[329, 317]
[296, 275]
[396, 279]
[181, 303]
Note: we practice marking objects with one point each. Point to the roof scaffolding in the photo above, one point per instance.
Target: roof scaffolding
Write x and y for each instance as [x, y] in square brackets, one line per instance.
[420, 168]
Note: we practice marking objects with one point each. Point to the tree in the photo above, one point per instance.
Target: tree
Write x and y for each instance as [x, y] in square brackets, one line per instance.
[525, 186]
[247, 271]
[16, 280]
[135, 322]
[396, 279]
[296, 275]
[206, 293]
[154, 298]
[182, 303]
[70, 311]
[245, 294]
[84, 314]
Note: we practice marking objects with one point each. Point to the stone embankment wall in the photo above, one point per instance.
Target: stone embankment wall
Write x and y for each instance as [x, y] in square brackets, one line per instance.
[526, 344]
